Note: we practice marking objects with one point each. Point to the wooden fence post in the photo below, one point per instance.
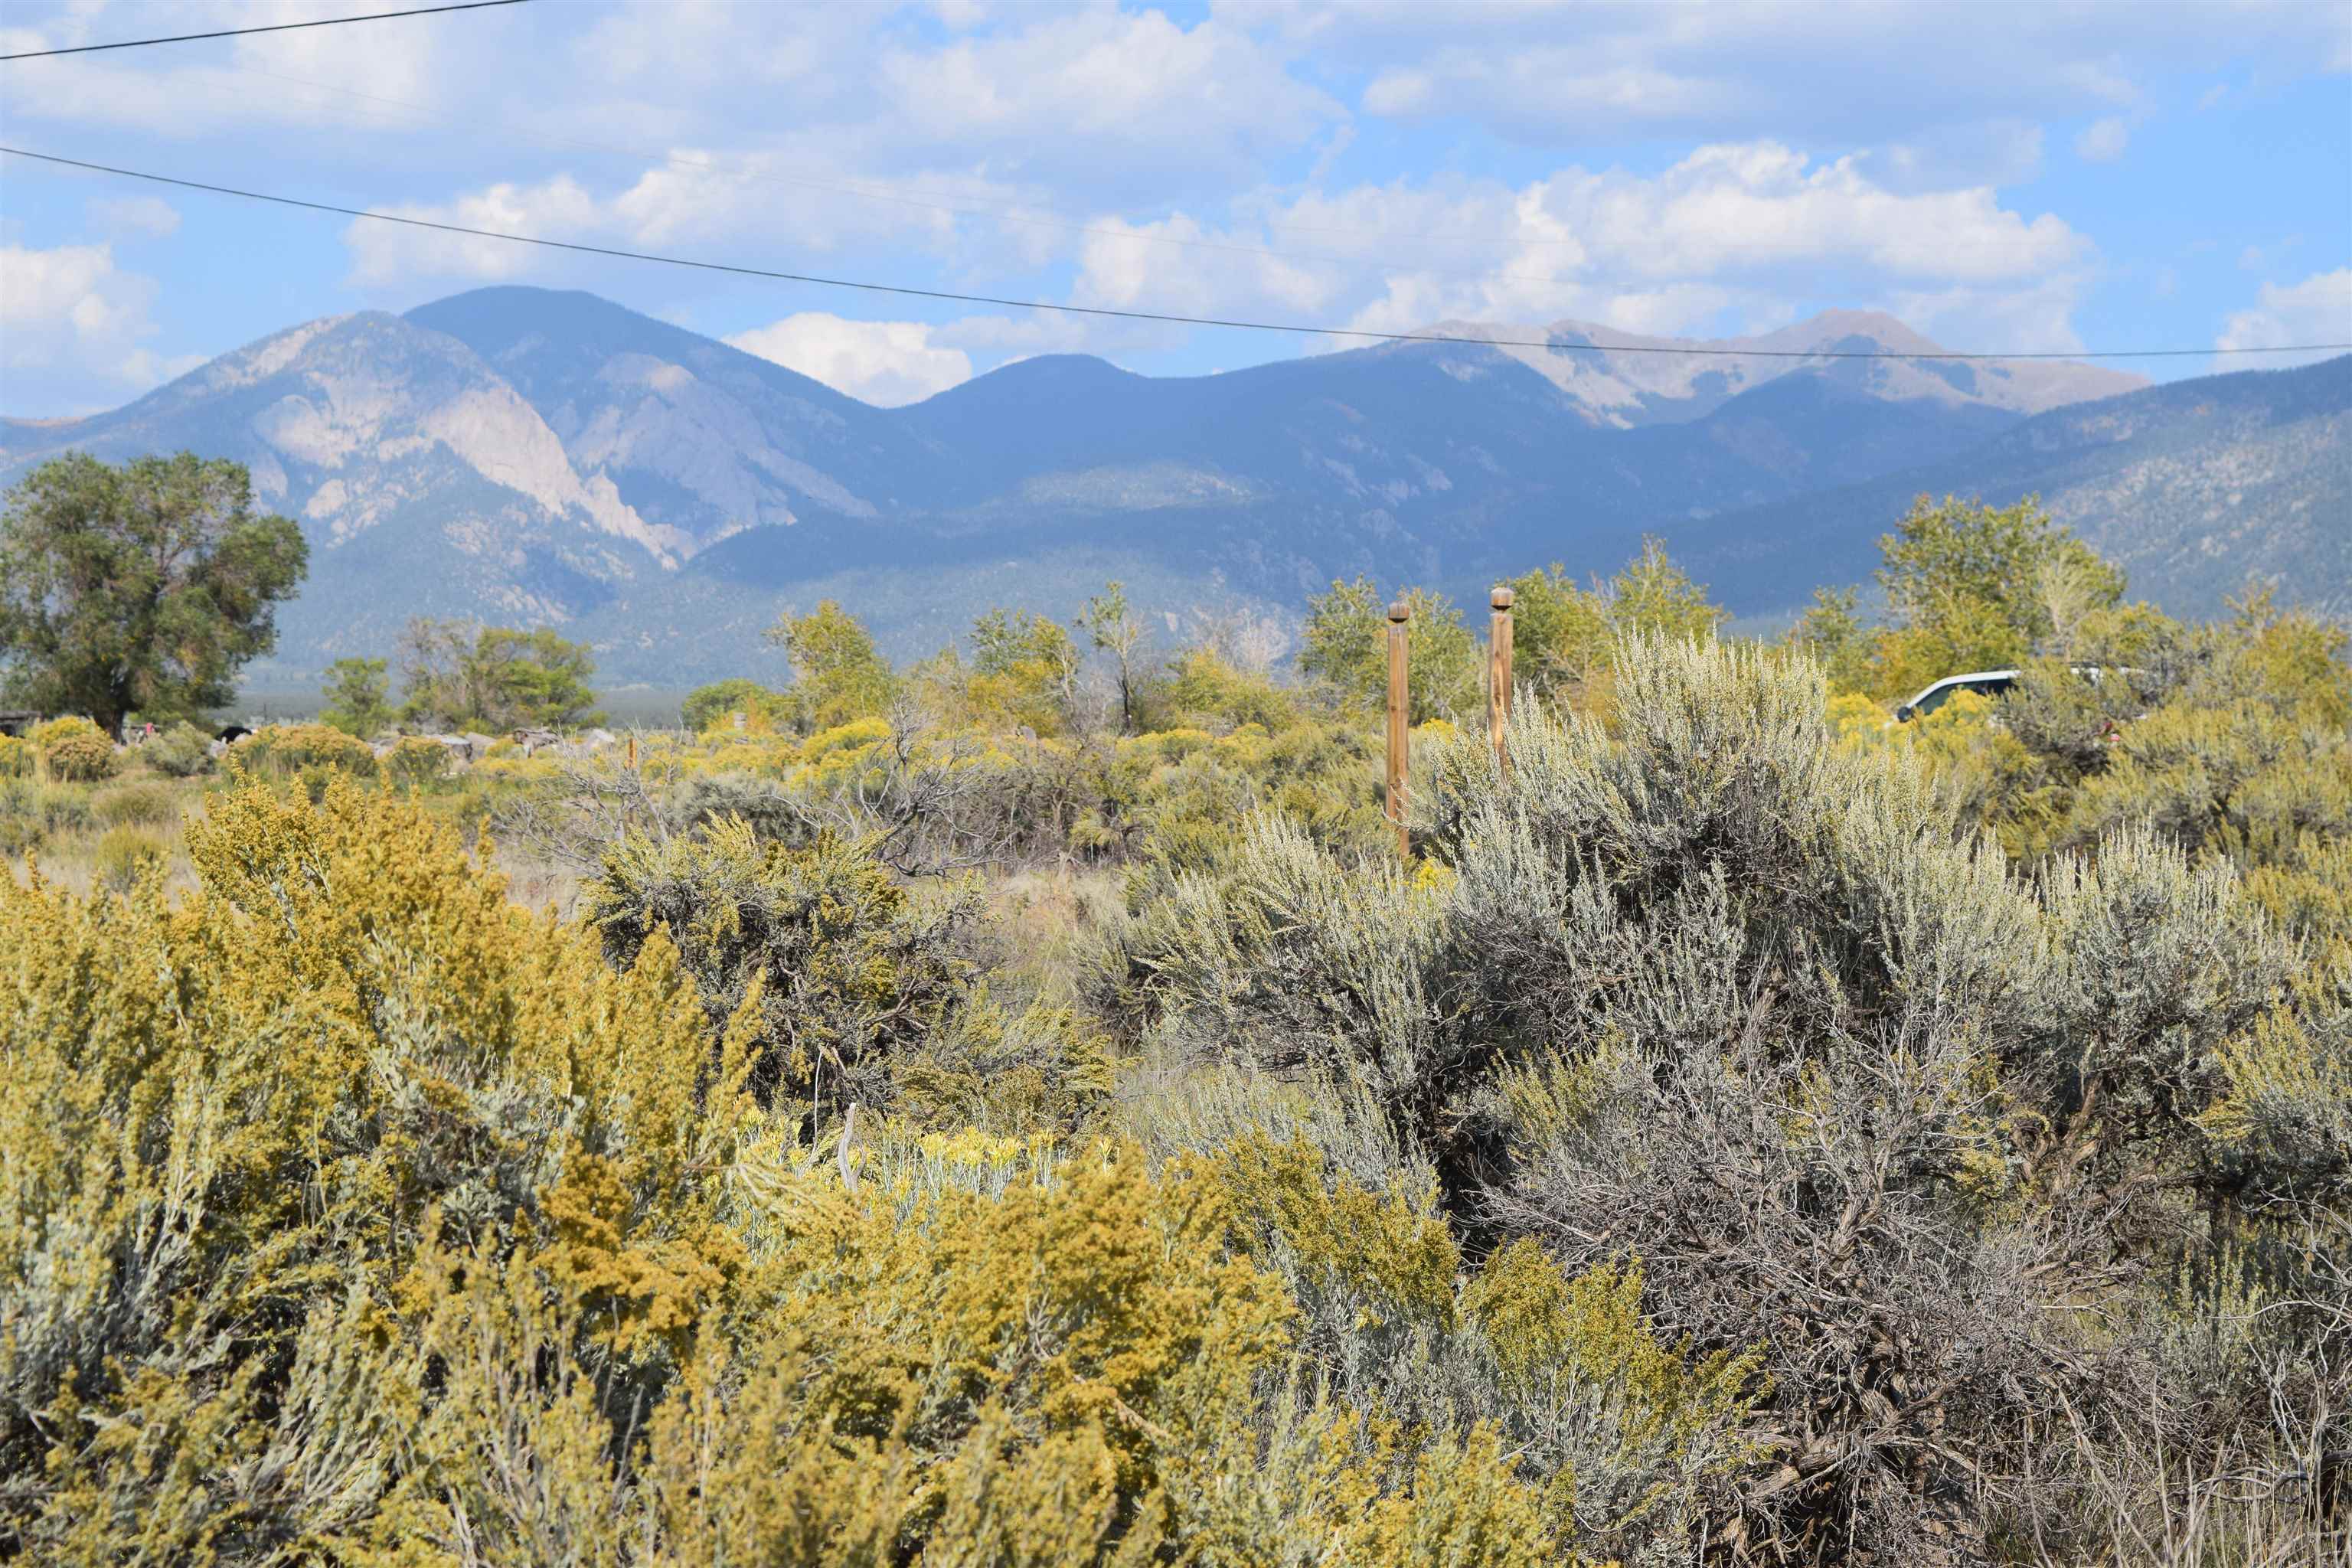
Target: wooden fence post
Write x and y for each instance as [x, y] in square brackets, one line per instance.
[1399, 741]
[1498, 679]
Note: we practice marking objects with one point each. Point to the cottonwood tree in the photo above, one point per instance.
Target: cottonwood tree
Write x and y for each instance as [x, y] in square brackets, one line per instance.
[838, 672]
[1563, 634]
[1346, 646]
[1116, 632]
[1967, 586]
[140, 588]
[459, 674]
[358, 697]
[1026, 667]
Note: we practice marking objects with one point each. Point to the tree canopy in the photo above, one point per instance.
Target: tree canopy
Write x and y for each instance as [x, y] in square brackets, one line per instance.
[358, 697]
[1347, 647]
[460, 674]
[1968, 586]
[142, 588]
[838, 673]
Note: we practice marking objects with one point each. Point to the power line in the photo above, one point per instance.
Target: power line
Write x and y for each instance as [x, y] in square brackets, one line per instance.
[243, 32]
[1160, 316]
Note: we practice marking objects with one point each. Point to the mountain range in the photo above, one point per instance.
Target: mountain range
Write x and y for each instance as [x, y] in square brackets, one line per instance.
[531, 457]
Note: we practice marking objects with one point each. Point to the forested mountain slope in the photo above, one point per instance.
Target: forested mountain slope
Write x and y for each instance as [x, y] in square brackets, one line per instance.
[530, 456]
[2196, 488]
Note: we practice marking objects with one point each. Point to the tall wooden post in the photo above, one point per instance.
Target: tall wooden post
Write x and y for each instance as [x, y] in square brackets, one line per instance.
[1400, 737]
[1498, 679]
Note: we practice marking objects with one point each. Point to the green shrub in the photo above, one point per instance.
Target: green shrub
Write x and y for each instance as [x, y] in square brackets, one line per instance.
[1706, 985]
[181, 751]
[17, 755]
[39, 810]
[139, 803]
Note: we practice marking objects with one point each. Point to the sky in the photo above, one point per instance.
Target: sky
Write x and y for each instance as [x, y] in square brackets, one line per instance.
[2004, 178]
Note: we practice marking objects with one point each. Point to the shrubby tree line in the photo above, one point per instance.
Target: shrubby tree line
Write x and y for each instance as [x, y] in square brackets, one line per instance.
[1746, 1130]
[461, 675]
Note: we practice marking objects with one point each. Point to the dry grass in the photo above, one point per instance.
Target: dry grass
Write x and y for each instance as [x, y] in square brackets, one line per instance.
[82, 836]
[1046, 916]
[537, 884]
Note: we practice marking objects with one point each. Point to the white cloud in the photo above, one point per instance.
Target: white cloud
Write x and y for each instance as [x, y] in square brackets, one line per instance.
[70, 312]
[1542, 70]
[1729, 228]
[2031, 315]
[2316, 311]
[188, 95]
[2104, 140]
[1126, 266]
[2212, 96]
[883, 362]
[1101, 89]
[389, 253]
[150, 216]
[1989, 153]
[1761, 202]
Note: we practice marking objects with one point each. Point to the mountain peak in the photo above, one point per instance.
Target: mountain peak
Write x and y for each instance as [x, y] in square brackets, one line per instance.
[1623, 380]
[1834, 328]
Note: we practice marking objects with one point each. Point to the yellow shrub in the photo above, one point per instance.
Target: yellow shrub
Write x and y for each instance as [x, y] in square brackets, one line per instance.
[16, 757]
[75, 750]
[72, 726]
[413, 759]
[854, 735]
[346, 1173]
[1165, 745]
[285, 750]
[123, 854]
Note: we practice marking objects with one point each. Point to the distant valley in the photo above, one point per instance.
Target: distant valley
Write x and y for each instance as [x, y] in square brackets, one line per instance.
[532, 456]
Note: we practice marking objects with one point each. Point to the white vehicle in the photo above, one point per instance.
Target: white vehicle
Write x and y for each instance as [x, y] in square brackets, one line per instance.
[1984, 683]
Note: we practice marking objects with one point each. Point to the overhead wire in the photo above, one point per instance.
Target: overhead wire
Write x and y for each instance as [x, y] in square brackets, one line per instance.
[244, 32]
[908, 290]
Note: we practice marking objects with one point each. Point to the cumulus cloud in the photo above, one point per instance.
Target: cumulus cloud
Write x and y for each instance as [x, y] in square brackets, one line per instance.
[264, 81]
[71, 316]
[1102, 89]
[1729, 228]
[2316, 311]
[883, 362]
[559, 208]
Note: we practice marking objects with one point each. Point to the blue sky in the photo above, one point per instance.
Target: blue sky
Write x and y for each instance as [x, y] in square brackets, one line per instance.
[2003, 177]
